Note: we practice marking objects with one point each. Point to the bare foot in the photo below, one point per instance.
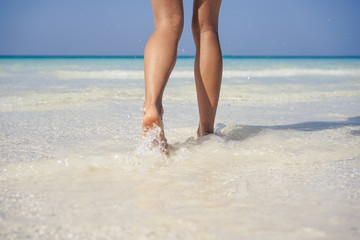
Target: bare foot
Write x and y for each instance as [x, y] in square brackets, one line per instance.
[152, 127]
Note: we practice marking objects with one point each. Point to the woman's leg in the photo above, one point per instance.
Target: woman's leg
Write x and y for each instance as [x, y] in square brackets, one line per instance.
[208, 61]
[160, 58]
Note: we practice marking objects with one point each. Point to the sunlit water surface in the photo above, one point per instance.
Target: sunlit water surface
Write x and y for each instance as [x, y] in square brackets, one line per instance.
[284, 162]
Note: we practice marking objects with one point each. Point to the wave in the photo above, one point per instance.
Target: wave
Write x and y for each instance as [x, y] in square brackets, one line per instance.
[38, 100]
[291, 72]
[120, 74]
[139, 74]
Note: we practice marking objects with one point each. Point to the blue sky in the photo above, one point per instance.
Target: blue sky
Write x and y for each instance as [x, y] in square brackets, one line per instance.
[119, 27]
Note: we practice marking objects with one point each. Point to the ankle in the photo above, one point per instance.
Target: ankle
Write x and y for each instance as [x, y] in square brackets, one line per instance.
[203, 130]
[153, 107]
[152, 115]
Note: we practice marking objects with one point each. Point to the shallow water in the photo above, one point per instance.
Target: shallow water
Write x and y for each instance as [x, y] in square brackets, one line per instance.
[284, 162]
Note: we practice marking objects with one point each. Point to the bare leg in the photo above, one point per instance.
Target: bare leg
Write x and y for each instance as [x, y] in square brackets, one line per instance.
[208, 61]
[159, 59]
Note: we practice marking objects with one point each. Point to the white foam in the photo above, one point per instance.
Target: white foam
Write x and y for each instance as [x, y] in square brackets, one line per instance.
[291, 72]
[278, 72]
[86, 97]
[116, 74]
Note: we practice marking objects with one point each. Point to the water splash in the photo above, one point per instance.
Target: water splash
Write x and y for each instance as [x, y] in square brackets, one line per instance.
[152, 143]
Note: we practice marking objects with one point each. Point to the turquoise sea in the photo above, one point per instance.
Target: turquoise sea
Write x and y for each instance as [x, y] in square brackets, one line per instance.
[284, 162]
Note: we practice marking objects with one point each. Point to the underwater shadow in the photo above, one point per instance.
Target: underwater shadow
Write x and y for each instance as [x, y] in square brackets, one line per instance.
[242, 132]
[239, 133]
[318, 126]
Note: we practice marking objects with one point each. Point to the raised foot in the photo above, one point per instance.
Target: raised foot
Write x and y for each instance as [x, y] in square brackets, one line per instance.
[153, 129]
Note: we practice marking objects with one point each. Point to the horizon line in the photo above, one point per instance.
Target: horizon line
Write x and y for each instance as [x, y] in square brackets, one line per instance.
[179, 56]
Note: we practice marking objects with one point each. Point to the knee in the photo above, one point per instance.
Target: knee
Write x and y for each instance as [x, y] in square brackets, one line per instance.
[173, 24]
[200, 26]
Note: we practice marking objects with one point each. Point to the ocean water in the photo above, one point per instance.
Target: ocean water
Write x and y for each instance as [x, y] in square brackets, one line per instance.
[284, 162]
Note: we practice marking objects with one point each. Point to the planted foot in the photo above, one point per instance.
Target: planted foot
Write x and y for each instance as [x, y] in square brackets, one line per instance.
[204, 131]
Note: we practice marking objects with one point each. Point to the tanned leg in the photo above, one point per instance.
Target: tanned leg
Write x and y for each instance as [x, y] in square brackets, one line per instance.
[159, 60]
[208, 61]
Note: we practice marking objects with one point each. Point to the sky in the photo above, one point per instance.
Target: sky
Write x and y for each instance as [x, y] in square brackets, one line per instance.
[122, 27]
